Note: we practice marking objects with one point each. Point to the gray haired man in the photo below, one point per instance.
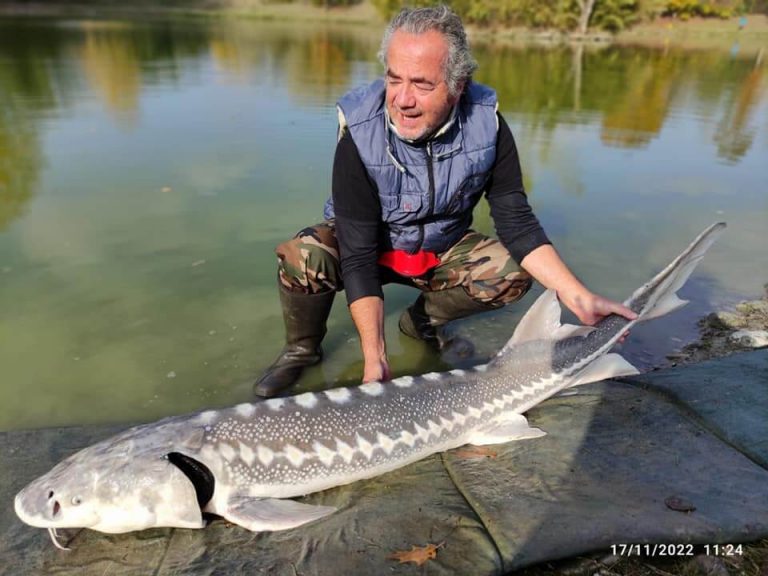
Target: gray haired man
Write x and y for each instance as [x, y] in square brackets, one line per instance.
[416, 152]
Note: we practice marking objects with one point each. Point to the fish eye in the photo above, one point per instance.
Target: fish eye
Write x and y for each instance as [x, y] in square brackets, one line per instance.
[76, 501]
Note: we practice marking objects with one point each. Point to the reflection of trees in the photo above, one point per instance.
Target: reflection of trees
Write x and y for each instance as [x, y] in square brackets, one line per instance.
[112, 67]
[20, 161]
[639, 115]
[633, 89]
[536, 82]
[316, 64]
[734, 135]
[119, 59]
[27, 87]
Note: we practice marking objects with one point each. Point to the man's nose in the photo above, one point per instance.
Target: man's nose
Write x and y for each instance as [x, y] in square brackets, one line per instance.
[405, 96]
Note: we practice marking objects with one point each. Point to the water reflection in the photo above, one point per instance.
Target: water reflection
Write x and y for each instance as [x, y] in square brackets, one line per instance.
[148, 169]
[632, 90]
[736, 131]
[19, 163]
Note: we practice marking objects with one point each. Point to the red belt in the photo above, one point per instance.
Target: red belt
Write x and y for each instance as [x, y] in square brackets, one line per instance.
[407, 264]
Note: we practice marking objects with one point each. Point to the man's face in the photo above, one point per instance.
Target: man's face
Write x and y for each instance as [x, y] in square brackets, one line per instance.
[418, 101]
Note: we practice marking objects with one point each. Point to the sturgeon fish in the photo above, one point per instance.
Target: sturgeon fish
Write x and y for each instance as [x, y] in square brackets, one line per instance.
[245, 463]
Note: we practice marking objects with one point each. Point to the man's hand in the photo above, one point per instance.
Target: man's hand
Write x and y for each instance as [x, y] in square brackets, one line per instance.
[376, 371]
[368, 315]
[545, 265]
[590, 308]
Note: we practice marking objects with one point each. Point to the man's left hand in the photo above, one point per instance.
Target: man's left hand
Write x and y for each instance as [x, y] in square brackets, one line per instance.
[590, 308]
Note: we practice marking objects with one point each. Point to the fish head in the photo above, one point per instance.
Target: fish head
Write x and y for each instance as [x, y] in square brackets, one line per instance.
[111, 489]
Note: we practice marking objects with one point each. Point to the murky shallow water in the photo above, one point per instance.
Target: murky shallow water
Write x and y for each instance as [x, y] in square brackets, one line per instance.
[147, 170]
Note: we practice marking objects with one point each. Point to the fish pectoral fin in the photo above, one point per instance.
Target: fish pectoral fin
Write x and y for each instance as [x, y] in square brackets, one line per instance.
[260, 514]
[668, 304]
[605, 367]
[505, 428]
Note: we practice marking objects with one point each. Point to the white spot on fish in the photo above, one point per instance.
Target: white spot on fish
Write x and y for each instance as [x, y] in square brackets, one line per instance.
[421, 433]
[325, 454]
[265, 455]
[481, 368]
[403, 381]
[227, 452]
[207, 417]
[306, 400]
[245, 410]
[372, 388]
[458, 372]
[446, 424]
[386, 443]
[344, 450]
[275, 403]
[431, 376]
[458, 418]
[474, 412]
[434, 428]
[294, 455]
[246, 454]
[365, 447]
[499, 403]
[208, 452]
[407, 438]
[338, 395]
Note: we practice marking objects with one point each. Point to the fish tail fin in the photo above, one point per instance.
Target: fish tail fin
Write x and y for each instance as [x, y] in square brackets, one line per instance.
[659, 296]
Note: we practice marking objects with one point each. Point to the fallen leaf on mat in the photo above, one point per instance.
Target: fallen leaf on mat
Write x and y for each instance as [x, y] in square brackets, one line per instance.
[469, 452]
[679, 504]
[416, 554]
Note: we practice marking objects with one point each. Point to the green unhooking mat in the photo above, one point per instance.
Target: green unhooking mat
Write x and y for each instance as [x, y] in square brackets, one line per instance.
[657, 458]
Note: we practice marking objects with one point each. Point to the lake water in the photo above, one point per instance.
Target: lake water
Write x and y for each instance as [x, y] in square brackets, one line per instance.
[147, 170]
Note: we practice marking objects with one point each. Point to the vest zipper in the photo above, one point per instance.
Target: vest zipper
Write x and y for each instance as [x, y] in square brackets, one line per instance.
[431, 178]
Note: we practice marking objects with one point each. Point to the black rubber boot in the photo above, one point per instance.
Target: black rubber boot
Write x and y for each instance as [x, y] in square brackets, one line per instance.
[424, 319]
[305, 316]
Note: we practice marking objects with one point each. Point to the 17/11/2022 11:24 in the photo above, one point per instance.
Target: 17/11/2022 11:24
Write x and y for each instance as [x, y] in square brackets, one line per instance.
[658, 550]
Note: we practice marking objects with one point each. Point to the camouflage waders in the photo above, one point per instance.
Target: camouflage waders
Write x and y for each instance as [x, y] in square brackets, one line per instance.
[475, 275]
[309, 263]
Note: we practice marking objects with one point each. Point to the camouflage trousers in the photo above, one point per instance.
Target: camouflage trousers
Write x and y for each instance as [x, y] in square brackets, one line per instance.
[309, 263]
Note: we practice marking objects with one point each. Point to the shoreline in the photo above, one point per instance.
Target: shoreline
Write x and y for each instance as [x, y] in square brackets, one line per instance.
[694, 33]
[723, 333]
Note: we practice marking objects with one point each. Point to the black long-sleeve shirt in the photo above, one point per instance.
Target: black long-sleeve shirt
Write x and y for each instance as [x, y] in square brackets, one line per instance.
[358, 213]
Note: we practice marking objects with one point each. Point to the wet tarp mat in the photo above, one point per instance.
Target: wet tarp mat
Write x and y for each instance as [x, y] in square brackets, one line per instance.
[619, 464]
[728, 395]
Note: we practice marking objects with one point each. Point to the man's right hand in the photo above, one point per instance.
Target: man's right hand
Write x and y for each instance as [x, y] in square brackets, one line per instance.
[376, 371]
[368, 315]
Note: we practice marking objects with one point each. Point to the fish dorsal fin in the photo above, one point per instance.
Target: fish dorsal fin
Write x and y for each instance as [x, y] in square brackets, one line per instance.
[541, 321]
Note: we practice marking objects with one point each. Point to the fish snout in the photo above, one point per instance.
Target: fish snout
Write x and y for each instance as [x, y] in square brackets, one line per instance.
[38, 507]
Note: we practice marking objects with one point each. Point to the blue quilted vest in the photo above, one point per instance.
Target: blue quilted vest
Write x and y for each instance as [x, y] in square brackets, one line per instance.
[418, 216]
